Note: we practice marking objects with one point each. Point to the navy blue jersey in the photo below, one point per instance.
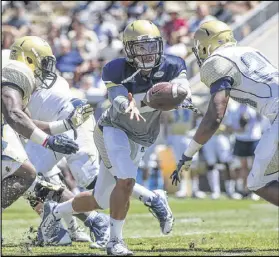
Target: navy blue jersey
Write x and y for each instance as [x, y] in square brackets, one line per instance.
[116, 77]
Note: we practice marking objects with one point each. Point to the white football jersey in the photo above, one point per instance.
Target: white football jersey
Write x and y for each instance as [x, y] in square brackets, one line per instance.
[47, 104]
[255, 79]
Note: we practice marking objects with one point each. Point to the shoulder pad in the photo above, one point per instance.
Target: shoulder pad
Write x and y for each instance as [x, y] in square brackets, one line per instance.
[217, 67]
[174, 65]
[19, 74]
[113, 70]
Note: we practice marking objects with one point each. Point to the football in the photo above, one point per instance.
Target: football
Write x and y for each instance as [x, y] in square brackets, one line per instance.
[165, 96]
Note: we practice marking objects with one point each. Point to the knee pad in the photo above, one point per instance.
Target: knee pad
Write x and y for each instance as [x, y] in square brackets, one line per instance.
[84, 169]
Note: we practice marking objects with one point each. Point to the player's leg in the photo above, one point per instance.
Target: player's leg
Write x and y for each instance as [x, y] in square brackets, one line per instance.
[223, 149]
[16, 179]
[18, 174]
[124, 170]
[263, 179]
[85, 169]
[209, 151]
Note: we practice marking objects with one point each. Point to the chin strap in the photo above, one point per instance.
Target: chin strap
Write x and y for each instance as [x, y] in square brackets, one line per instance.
[130, 78]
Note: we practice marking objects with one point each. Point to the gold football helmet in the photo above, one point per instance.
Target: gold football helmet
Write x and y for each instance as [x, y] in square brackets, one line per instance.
[209, 37]
[36, 53]
[143, 44]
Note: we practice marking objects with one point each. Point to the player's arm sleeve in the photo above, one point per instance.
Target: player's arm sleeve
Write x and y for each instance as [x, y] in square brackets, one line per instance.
[117, 93]
[219, 73]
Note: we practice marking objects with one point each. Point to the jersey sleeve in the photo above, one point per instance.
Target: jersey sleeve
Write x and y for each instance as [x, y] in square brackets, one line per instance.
[18, 74]
[180, 68]
[220, 72]
[111, 74]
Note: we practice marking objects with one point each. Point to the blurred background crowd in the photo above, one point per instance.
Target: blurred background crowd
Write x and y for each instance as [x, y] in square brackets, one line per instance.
[84, 35]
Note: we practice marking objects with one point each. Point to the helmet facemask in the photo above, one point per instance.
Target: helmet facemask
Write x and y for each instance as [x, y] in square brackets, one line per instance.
[145, 53]
[45, 72]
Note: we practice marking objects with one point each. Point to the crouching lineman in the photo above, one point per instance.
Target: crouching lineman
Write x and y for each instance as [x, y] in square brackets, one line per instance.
[32, 66]
[56, 104]
[247, 76]
[126, 130]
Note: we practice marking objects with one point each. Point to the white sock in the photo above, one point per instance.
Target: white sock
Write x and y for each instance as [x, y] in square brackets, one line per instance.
[240, 184]
[63, 209]
[183, 186]
[142, 193]
[213, 177]
[71, 222]
[230, 186]
[195, 184]
[116, 227]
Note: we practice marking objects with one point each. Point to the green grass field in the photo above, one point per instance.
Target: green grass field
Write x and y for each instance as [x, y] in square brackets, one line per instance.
[202, 227]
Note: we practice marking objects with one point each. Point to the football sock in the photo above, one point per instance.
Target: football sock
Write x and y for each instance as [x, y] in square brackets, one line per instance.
[142, 193]
[116, 227]
[240, 185]
[195, 184]
[63, 209]
[213, 177]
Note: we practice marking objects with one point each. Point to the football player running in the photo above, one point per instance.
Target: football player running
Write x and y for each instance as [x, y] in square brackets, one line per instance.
[32, 65]
[247, 76]
[127, 129]
[50, 105]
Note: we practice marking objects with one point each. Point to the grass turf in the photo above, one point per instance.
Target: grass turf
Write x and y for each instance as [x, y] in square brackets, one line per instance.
[202, 228]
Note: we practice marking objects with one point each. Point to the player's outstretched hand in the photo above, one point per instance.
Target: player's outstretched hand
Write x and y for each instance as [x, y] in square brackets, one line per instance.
[62, 144]
[133, 110]
[184, 162]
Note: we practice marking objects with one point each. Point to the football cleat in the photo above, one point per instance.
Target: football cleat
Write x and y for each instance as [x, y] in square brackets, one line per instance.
[77, 234]
[160, 209]
[99, 230]
[118, 248]
[52, 231]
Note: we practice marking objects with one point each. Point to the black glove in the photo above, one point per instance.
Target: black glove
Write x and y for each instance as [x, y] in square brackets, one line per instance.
[185, 161]
[62, 144]
[187, 104]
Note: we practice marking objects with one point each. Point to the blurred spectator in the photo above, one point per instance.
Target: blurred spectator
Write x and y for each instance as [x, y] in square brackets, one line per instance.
[202, 15]
[246, 124]
[223, 13]
[19, 20]
[69, 59]
[177, 47]
[54, 37]
[84, 40]
[161, 17]
[176, 26]
[112, 49]
[7, 39]
[104, 28]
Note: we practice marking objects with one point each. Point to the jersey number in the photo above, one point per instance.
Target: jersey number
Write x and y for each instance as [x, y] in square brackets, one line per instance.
[258, 67]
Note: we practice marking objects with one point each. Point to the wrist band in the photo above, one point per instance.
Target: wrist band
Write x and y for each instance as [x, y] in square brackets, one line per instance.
[39, 137]
[58, 127]
[192, 148]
